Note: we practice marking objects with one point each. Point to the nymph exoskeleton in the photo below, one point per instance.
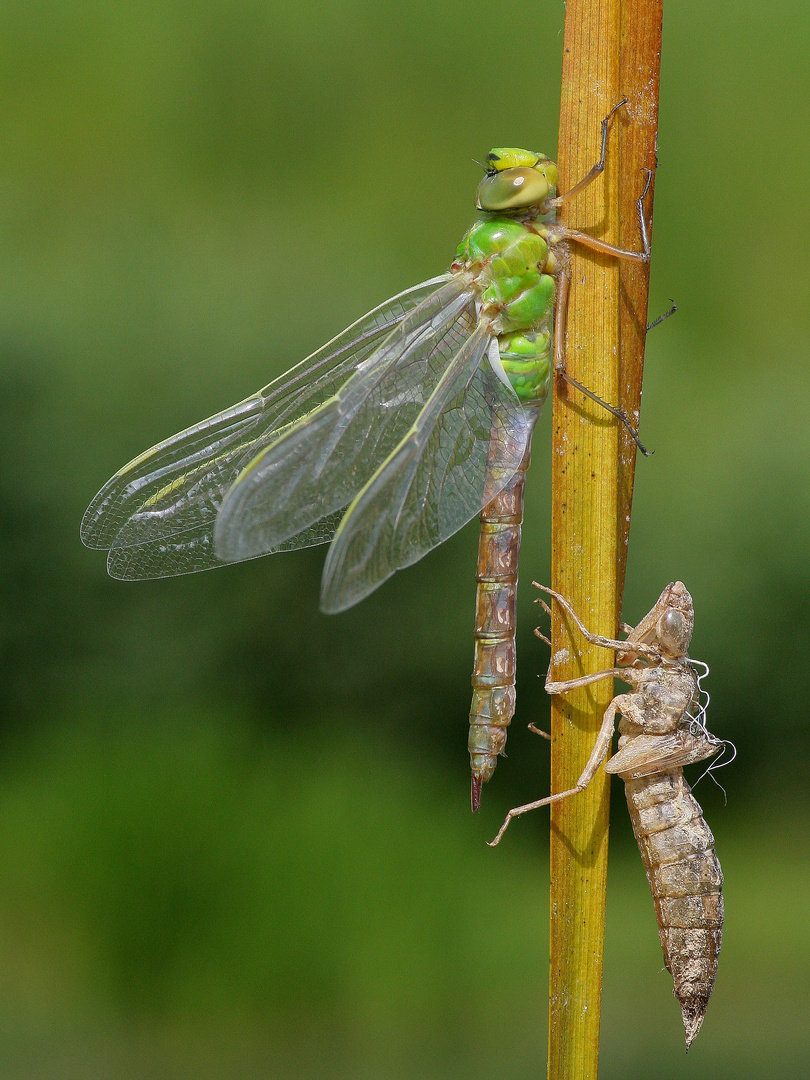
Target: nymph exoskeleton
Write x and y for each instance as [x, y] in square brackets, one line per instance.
[662, 729]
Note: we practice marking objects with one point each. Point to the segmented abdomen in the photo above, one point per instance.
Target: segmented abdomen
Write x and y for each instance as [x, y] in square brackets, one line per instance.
[493, 680]
[686, 882]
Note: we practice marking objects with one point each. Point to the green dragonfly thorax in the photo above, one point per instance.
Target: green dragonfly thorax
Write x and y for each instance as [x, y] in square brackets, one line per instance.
[506, 253]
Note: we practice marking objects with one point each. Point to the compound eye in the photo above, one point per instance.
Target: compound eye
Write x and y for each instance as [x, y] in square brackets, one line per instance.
[512, 189]
[672, 629]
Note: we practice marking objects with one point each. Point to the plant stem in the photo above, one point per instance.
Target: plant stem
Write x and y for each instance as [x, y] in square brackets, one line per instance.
[610, 52]
[640, 69]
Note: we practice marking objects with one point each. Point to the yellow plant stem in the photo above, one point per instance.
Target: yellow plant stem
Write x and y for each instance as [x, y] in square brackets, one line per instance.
[592, 477]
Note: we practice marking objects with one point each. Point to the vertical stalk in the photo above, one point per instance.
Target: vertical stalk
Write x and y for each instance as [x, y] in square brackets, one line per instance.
[640, 69]
[606, 47]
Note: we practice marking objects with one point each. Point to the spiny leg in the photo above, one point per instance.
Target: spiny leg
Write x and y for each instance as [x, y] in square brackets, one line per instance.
[593, 242]
[598, 639]
[598, 168]
[552, 687]
[561, 308]
[666, 315]
[618, 413]
[560, 322]
[598, 755]
[563, 687]
[624, 628]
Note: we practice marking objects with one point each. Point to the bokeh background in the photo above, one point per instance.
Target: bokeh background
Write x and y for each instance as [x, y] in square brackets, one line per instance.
[234, 834]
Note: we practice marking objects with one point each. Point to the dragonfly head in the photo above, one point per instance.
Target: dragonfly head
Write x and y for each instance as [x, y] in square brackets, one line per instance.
[516, 179]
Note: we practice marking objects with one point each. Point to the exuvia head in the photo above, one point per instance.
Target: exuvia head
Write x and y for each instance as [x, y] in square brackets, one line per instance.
[516, 179]
[675, 619]
[668, 626]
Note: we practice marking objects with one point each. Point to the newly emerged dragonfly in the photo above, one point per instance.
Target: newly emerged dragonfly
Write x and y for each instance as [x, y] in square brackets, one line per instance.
[388, 439]
[662, 728]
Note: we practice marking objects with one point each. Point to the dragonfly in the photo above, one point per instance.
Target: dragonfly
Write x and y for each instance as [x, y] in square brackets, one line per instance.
[390, 437]
[662, 729]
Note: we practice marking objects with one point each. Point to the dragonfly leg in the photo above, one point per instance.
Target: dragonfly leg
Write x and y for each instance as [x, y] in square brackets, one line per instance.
[560, 321]
[598, 639]
[539, 600]
[598, 755]
[538, 731]
[595, 244]
[595, 170]
[585, 680]
[666, 315]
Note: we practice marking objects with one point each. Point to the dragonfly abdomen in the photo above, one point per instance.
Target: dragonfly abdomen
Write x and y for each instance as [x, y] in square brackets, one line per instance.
[493, 680]
[686, 881]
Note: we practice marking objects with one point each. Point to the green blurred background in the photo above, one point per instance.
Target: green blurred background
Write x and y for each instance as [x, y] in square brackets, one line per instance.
[234, 833]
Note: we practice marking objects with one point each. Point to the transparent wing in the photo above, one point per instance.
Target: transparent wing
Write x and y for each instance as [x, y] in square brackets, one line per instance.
[193, 550]
[317, 465]
[466, 443]
[649, 754]
[165, 501]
